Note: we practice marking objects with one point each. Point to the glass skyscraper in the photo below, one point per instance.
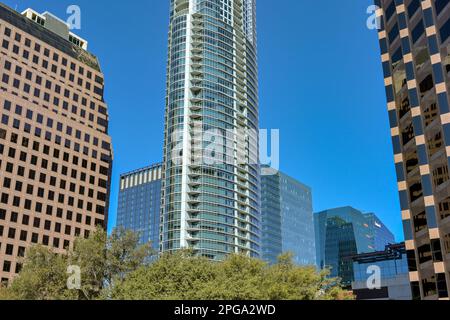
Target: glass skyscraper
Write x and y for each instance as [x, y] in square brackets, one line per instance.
[345, 232]
[211, 197]
[287, 222]
[139, 203]
[414, 38]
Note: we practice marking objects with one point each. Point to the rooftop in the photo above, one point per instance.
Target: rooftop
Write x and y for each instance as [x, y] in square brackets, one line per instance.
[51, 30]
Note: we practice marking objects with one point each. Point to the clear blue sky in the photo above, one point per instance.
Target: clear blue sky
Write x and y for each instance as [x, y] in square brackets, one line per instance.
[320, 84]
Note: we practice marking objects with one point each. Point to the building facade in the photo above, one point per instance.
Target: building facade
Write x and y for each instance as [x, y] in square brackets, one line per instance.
[391, 265]
[380, 233]
[211, 198]
[287, 223]
[345, 232]
[55, 152]
[414, 38]
[139, 203]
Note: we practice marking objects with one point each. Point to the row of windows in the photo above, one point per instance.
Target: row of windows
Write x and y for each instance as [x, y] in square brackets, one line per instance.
[48, 136]
[39, 222]
[39, 206]
[19, 71]
[35, 145]
[51, 124]
[419, 29]
[55, 57]
[36, 92]
[54, 68]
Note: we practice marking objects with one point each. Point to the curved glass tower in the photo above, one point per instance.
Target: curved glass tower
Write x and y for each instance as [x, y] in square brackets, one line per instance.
[211, 197]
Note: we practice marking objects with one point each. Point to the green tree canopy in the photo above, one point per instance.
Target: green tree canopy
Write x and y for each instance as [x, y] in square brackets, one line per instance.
[101, 260]
[117, 267]
[182, 276]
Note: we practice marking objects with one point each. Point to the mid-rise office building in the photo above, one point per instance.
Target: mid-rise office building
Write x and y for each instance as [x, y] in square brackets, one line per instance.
[55, 151]
[344, 232]
[287, 223]
[414, 38]
[139, 204]
[382, 275]
[211, 178]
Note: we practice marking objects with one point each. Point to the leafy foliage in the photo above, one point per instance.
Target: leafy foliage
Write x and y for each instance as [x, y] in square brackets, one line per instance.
[116, 267]
[181, 276]
[102, 260]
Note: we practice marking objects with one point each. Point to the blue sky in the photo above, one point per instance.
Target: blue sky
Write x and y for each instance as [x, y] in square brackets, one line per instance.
[320, 84]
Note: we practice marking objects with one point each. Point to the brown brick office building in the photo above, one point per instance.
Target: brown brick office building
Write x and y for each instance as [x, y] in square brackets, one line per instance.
[55, 152]
[415, 52]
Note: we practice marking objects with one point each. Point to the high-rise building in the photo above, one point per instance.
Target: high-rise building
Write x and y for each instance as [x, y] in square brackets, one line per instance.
[380, 235]
[55, 152]
[414, 38]
[287, 223]
[211, 198]
[382, 275]
[345, 232]
[139, 203]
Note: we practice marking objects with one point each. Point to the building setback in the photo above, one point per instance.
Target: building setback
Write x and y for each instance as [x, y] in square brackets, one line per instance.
[211, 200]
[414, 37]
[55, 152]
[345, 232]
[139, 204]
[287, 223]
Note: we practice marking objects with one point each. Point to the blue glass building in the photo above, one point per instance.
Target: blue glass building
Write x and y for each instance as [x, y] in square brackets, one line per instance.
[140, 202]
[287, 221]
[344, 232]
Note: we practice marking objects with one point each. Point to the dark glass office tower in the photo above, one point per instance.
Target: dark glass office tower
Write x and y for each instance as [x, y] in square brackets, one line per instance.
[345, 232]
[211, 205]
[415, 53]
[139, 202]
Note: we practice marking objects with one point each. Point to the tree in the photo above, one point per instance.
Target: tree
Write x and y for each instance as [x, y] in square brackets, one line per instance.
[43, 277]
[181, 276]
[117, 267]
[174, 276]
[237, 278]
[101, 260]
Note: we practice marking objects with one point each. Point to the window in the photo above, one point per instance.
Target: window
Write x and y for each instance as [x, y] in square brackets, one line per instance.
[11, 233]
[440, 6]
[6, 266]
[394, 33]
[412, 8]
[5, 78]
[14, 217]
[418, 31]
[25, 220]
[9, 250]
[4, 198]
[445, 31]
[23, 235]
